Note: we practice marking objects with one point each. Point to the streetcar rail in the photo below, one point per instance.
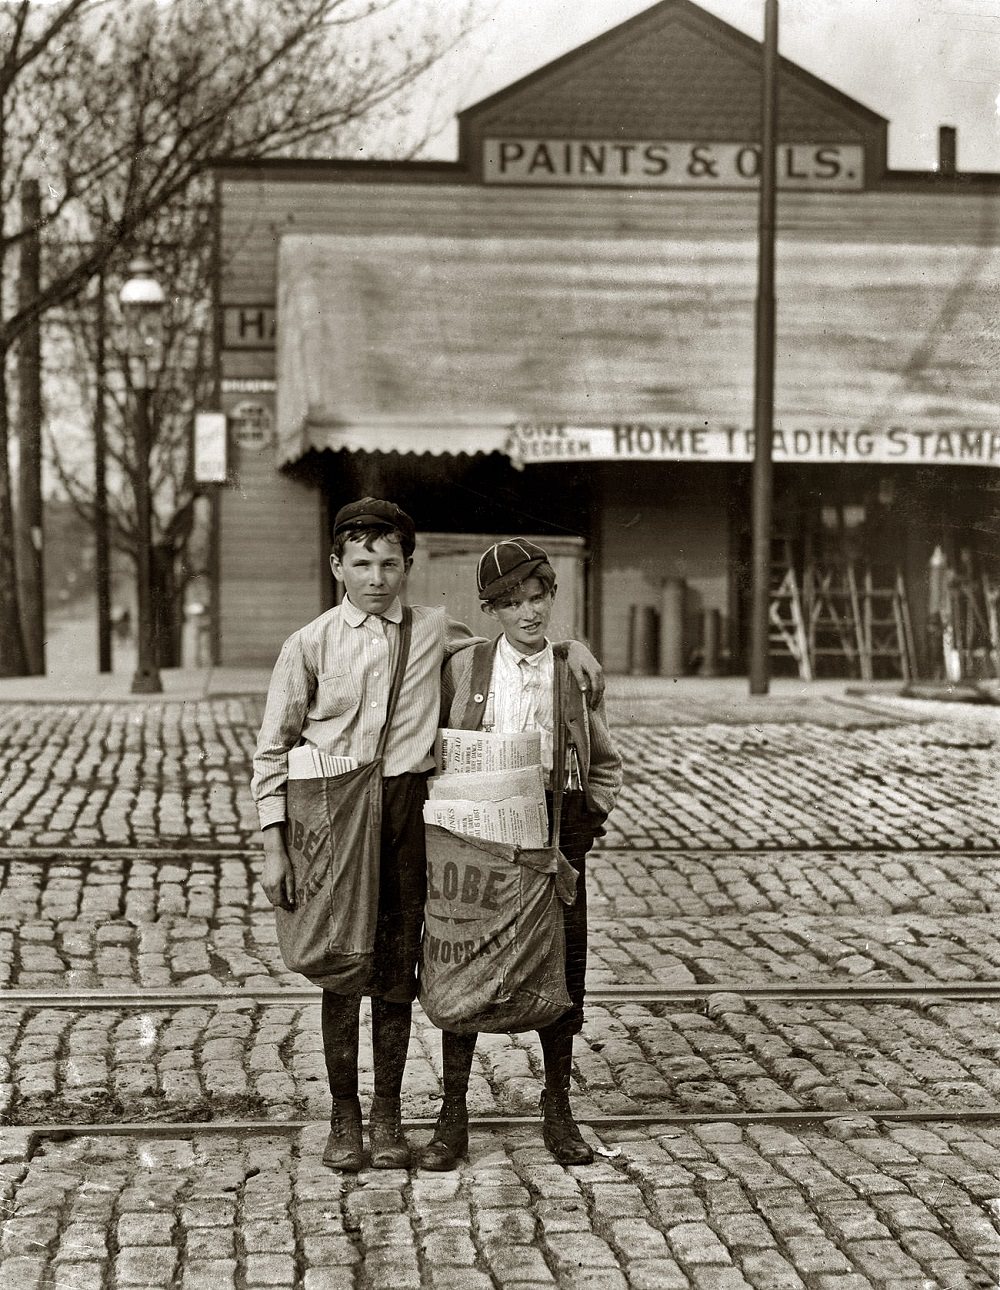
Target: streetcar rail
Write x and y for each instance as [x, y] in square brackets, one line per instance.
[190, 1128]
[802, 992]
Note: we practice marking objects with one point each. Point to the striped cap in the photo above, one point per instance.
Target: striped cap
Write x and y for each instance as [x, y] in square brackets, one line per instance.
[506, 564]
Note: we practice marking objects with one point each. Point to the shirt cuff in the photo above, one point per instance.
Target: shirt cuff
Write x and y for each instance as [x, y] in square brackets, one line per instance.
[271, 810]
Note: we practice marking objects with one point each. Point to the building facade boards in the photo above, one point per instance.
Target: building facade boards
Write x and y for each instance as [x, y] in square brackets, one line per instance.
[554, 336]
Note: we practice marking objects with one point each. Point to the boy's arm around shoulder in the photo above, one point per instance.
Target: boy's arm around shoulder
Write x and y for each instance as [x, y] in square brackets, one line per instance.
[449, 684]
[584, 667]
[457, 637]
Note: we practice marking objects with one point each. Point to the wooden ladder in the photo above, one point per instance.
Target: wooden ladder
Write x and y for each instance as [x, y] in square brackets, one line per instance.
[787, 626]
[833, 614]
[886, 629]
[991, 597]
[973, 618]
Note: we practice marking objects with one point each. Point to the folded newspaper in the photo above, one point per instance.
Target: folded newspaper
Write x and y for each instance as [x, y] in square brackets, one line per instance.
[308, 762]
[518, 820]
[466, 751]
[490, 786]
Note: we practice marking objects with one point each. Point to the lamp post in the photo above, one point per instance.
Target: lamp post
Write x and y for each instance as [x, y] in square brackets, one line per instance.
[142, 301]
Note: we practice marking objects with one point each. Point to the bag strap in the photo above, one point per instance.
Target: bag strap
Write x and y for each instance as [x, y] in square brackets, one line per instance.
[558, 748]
[397, 679]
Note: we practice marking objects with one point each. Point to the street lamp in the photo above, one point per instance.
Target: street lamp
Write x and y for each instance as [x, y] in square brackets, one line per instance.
[142, 302]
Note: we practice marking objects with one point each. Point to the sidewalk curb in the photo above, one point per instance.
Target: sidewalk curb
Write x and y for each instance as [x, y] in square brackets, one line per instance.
[933, 691]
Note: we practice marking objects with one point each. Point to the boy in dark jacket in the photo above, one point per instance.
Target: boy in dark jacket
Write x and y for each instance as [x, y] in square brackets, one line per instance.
[509, 687]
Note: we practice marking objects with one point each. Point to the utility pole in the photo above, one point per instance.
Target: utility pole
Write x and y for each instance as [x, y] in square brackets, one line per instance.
[30, 555]
[102, 547]
[763, 411]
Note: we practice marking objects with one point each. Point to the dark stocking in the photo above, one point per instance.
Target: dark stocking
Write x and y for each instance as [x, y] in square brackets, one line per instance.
[390, 1040]
[557, 1053]
[340, 1042]
[456, 1056]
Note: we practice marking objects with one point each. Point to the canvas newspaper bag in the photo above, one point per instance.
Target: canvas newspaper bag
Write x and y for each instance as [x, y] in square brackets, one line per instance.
[333, 837]
[494, 949]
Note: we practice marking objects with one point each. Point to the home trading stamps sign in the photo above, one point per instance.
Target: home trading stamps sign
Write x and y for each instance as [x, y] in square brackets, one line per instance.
[536, 444]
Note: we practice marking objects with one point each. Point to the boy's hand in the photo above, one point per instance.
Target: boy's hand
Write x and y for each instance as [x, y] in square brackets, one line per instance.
[587, 672]
[278, 879]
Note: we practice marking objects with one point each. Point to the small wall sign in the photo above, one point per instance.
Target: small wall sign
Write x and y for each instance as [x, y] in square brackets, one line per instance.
[253, 426]
[210, 447]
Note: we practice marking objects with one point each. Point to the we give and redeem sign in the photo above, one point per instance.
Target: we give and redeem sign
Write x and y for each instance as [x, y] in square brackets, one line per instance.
[536, 444]
[660, 163]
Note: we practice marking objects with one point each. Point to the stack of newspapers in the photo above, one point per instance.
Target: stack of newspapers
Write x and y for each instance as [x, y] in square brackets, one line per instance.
[489, 786]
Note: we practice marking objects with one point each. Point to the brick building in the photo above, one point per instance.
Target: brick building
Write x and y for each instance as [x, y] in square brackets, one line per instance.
[553, 335]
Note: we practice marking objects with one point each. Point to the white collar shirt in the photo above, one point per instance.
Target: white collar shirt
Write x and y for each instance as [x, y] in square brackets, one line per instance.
[522, 694]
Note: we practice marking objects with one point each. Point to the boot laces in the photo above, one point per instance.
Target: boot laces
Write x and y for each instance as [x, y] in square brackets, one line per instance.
[389, 1117]
[339, 1118]
[554, 1104]
[453, 1111]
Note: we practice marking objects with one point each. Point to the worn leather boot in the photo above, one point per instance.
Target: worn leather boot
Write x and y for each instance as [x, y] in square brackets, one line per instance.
[560, 1131]
[451, 1137]
[390, 1150]
[345, 1146]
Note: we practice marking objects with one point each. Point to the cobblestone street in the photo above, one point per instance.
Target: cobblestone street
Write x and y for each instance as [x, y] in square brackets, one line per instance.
[175, 775]
[772, 1141]
[266, 1061]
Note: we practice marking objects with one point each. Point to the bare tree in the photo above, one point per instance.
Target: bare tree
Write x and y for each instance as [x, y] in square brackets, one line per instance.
[180, 239]
[121, 105]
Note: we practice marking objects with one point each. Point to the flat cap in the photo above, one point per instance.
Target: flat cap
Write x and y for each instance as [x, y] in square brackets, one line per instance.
[373, 512]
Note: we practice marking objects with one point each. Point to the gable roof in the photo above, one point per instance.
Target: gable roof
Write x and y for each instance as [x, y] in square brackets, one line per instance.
[672, 71]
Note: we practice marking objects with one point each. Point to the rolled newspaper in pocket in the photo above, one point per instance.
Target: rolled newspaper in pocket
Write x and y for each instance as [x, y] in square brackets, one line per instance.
[309, 762]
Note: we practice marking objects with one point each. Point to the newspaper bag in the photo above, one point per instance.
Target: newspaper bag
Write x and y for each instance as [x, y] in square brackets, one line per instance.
[333, 837]
[494, 951]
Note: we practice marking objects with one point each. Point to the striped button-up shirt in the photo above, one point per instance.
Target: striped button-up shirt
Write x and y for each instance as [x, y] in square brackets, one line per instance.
[330, 687]
[522, 694]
